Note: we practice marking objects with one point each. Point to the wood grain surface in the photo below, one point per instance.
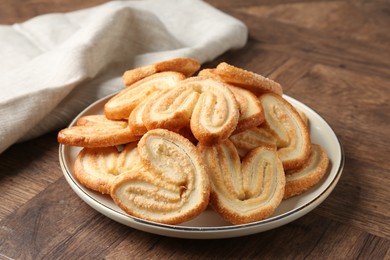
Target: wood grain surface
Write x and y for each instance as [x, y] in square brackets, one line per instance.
[333, 56]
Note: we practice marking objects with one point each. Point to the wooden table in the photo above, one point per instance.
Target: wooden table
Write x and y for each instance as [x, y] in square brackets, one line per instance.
[333, 56]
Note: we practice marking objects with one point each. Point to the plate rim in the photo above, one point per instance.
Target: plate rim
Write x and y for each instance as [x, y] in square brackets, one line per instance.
[200, 232]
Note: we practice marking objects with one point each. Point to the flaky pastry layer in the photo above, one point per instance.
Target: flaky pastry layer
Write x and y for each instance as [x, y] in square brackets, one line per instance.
[247, 191]
[173, 185]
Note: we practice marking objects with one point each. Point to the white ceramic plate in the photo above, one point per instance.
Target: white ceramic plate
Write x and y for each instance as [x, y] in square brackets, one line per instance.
[209, 225]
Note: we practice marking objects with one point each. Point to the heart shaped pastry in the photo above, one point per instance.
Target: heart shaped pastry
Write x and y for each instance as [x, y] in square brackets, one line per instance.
[247, 191]
[251, 112]
[283, 127]
[216, 113]
[286, 125]
[172, 185]
[207, 105]
[97, 168]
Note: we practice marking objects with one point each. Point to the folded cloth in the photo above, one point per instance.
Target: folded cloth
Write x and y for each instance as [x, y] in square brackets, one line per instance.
[52, 66]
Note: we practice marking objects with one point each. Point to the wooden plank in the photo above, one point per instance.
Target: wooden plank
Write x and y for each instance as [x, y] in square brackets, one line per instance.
[27, 169]
[314, 46]
[16, 11]
[358, 20]
[56, 223]
[360, 199]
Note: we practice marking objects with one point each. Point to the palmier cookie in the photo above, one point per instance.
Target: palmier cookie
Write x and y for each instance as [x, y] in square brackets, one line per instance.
[96, 131]
[257, 136]
[172, 188]
[251, 113]
[247, 191]
[310, 174]
[186, 66]
[207, 105]
[286, 125]
[97, 168]
[251, 81]
[122, 104]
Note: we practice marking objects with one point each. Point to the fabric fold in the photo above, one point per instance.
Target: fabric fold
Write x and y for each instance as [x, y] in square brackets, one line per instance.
[53, 66]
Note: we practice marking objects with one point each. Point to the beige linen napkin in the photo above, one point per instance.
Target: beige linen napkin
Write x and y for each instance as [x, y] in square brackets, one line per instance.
[54, 65]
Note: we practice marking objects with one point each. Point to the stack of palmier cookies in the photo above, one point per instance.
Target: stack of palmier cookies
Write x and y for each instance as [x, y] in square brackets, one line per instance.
[171, 143]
